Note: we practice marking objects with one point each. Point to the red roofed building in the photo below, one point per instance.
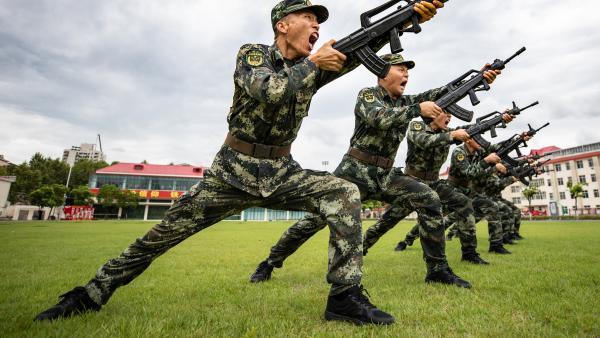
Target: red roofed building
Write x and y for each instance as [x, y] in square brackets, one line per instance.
[158, 186]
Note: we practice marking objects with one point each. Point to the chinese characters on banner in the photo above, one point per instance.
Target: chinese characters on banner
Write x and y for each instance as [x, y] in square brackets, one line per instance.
[78, 213]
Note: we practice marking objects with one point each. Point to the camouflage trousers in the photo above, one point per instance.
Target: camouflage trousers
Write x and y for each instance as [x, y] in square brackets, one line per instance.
[516, 217]
[507, 216]
[486, 207]
[397, 189]
[456, 205]
[337, 202]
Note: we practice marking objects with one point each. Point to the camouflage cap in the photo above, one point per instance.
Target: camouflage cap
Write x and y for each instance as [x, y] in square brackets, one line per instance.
[289, 6]
[397, 59]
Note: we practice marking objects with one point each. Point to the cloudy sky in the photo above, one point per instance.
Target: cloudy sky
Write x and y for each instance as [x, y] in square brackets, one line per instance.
[154, 78]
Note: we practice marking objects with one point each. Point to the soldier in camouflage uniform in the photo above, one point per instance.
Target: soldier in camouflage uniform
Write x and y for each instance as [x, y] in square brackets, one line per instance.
[274, 86]
[382, 116]
[428, 148]
[470, 170]
[495, 186]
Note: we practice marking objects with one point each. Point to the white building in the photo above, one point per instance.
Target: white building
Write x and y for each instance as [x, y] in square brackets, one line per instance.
[579, 165]
[5, 182]
[84, 151]
[4, 162]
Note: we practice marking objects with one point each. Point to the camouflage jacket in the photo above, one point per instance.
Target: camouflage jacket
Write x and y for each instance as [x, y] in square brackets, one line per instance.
[469, 168]
[271, 97]
[381, 122]
[428, 149]
[380, 127]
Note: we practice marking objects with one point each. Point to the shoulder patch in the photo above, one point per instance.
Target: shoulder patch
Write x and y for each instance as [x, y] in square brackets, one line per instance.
[369, 97]
[255, 58]
[417, 126]
[460, 157]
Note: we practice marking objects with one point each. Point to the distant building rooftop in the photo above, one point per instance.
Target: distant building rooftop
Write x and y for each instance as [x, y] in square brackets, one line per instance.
[140, 169]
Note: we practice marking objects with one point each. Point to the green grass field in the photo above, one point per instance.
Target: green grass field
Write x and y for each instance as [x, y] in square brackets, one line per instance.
[549, 286]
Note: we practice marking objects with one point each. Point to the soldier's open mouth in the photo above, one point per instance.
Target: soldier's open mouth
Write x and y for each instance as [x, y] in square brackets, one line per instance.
[313, 39]
[403, 84]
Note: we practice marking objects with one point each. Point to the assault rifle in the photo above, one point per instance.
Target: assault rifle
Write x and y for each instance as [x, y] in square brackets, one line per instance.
[527, 171]
[462, 87]
[515, 143]
[403, 20]
[490, 122]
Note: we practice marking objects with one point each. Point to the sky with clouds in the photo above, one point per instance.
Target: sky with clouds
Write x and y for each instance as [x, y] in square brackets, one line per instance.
[154, 78]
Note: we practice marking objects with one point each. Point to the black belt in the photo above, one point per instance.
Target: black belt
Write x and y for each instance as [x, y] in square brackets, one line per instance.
[424, 175]
[256, 149]
[378, 161]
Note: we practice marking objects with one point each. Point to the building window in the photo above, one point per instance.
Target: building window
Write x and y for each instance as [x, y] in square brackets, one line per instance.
[593, 177]
[596, 193]
[160, 183]
[579, 164]
[582, 179]
[551, 195]
[557, 167]
[591, 162]
[516, 200]
[562, 195]
[570, 179]
[585, 194]
[568, 166]
[549, 183]
[515, 189]
[560, 181]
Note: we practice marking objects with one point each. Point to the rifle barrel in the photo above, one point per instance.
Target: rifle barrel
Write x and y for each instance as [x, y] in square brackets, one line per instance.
[515, 55]
[531, 105]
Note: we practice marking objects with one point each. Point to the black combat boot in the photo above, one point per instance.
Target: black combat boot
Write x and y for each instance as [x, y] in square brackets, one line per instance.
[499, 249]
[262, 273]
[473, 257]
[353, 306]
[508, 240]
[517, 236]
[446, 276]
[401, 246]
[74, 302]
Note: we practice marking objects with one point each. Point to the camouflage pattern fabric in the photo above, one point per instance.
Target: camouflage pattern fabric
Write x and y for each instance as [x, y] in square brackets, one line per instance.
[427, 152]
[380, 126]
[470, 167]
[494, 187]
[335, 200]
[271, 97]
[286, 7]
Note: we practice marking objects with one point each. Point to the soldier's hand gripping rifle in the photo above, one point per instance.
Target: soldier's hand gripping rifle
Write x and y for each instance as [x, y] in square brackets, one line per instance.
[462, 87]
[490, 122]
[515, 143]
[525, 172]
[403, 20]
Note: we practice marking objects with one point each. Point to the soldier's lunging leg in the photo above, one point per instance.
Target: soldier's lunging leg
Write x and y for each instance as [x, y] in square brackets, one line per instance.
[405, 190]
[206, 204]
[462, 214]
[388, 220]
[487, 208]
[287, 244]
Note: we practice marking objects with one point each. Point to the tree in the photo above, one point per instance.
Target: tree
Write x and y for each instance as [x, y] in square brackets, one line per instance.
[27, 181]
[83, 169]
[110, 196]
[372, 204]
[81, 195]
[576, 191]
[127, 199]
[50, 196]
[528, 193]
